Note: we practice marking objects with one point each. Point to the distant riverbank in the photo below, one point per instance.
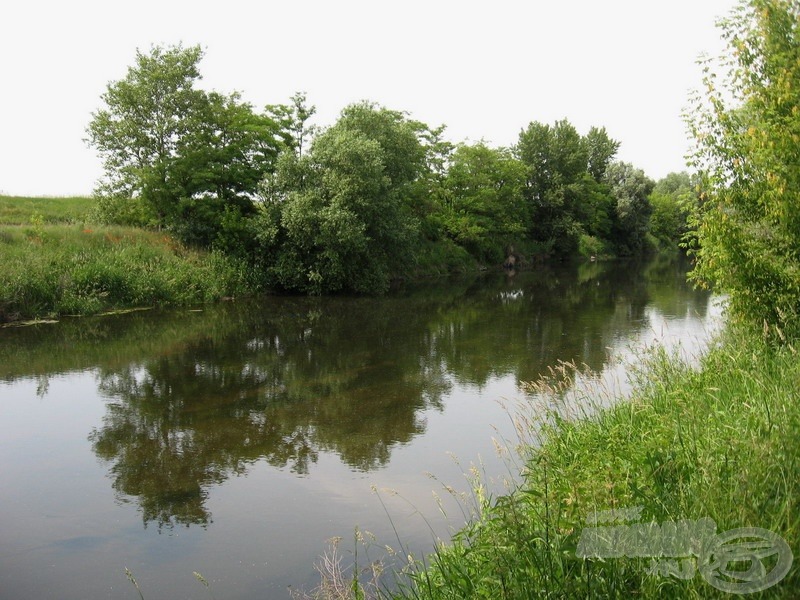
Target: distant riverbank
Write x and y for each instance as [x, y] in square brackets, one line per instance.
[57, 262]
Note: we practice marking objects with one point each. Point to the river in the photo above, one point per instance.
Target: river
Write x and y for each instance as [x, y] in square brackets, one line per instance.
[234, 440]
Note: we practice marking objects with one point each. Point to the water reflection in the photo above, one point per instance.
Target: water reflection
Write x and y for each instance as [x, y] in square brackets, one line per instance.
[194, 398]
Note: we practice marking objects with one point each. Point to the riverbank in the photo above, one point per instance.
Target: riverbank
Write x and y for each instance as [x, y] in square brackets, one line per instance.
[54, 270]
[721, 441]
[56, 262]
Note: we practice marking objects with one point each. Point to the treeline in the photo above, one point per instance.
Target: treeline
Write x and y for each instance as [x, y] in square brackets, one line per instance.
[377, 195]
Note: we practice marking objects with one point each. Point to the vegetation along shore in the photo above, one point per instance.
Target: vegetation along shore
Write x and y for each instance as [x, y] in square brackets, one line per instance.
[205, 197]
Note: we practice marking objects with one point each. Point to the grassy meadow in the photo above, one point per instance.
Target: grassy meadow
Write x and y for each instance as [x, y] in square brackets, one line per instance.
[55, 262]
[19, 210]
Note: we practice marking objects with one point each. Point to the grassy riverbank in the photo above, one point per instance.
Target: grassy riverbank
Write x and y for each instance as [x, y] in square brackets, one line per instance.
[54, 263]
[720, 441]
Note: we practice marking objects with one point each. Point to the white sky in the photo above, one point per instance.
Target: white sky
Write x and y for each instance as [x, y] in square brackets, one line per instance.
[485, 69]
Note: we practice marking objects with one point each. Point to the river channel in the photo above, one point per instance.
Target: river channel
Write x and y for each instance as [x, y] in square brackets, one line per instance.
[234, 440]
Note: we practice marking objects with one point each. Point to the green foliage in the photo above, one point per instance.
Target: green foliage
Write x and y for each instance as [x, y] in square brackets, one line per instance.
[75, 270]
[181, 156]
[399, 138]
[482, 206]
[595, 206]
[592, 247]
[567, 192]
[292, 119]
[122, 210]
[441, 257]
[668, 222]
[145, 119]
[601, 151]
[631, 190]
[747, 125]
[344, 209]
[674, 199]
[340, 213]
[228, 150]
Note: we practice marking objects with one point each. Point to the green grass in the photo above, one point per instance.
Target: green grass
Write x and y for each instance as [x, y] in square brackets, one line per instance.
[52, 270]
[17, 210]
[54, 262]
[721, 441]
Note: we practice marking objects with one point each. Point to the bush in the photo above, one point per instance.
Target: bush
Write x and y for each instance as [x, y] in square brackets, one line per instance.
[747, 127]
[592, 247]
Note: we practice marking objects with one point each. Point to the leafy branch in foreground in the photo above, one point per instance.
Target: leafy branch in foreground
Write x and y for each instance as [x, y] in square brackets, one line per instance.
[746, 124]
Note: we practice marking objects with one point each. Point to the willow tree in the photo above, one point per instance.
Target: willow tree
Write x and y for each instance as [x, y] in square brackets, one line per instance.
[337, 218]
[746, 124]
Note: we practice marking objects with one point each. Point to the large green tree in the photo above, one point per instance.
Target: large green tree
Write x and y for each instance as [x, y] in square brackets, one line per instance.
[631, 189]
[145, 119]
[672, 199]
[185, 154]
[295, 130]
[565, 190]
[746, 124]
[338, 217]
[483, 207]
[601, 150]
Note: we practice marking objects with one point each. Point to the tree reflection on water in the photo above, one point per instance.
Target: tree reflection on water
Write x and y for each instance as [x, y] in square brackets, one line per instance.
[196, 397]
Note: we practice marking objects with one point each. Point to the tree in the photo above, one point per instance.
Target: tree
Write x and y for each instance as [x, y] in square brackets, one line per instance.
[295, 131]
[746, 125]
[484, 211]
[566, 191]
[556, 156]
[221, 161]
[398, 137]
[672, 199]
[145, 119]
[631, 189]
[429, 195]
[187, 155]
[339, 215]
[601, 150]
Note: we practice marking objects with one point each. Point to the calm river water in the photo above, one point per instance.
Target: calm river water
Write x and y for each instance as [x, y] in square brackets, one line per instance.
[235, 440]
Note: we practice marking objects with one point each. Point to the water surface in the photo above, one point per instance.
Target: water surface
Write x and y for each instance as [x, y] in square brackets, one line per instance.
[235, 440]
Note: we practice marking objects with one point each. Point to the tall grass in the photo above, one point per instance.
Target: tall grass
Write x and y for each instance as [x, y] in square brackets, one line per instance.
[50, 270]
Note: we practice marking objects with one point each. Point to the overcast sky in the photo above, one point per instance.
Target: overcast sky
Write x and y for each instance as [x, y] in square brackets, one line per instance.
[485, 69]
